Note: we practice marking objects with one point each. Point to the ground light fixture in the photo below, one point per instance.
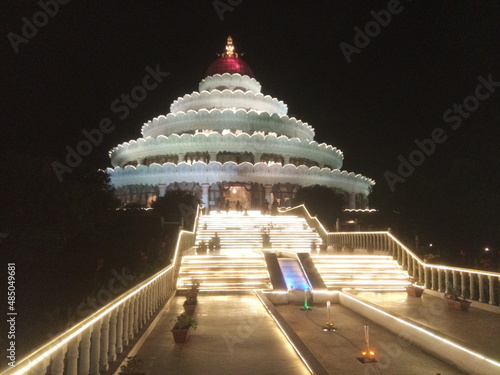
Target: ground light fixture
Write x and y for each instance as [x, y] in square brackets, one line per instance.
[368, 354]
[306, 302]
[329, 324]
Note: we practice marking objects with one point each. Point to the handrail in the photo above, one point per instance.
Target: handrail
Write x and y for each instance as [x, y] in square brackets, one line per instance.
[311, 220]
[475, 285]
[89, 346]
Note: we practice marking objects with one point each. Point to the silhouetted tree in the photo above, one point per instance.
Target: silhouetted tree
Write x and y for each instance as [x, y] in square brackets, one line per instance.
[321, 201]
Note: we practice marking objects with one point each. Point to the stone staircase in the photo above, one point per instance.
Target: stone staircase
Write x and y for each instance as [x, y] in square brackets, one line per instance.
[221, 272]
[242, 234]
[239, 263]
[362, 272]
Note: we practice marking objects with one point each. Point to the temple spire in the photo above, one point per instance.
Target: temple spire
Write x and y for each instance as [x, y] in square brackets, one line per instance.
[229, 49]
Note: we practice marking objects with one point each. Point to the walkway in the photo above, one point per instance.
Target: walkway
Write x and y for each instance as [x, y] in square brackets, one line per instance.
[476, 329]
[338, 351]
[235, 335]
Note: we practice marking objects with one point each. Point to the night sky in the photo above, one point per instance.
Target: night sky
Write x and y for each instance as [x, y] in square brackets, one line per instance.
[396, 88]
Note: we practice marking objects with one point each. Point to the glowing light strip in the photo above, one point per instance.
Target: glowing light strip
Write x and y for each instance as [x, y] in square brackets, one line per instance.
[98, 315]
[446, 341]
[286, 335]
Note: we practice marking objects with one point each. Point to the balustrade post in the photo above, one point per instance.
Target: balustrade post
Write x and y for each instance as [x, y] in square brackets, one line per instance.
[104, 344]
[95, 349]
[446, 282]
[472, 286]
[72, 368]
[135, 316]
[440, 281]
[455, 281]
[462, 282]
[113, 325]
[84, 361]
[41, 368]
[491, 283]
[57, 366]
[126, 323]
[481, 288]
[421, 272]
[119, 329]
[403, 260]
[433, 279]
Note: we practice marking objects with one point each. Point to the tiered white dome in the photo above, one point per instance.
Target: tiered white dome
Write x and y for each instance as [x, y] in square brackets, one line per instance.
[228, 117]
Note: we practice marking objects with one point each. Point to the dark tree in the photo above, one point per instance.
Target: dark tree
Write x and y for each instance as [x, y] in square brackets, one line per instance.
[321, 201]
[177, 206]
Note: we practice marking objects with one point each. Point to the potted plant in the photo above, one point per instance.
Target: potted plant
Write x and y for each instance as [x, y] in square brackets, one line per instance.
[415, 289]
[182, 327]
[192, 297]
[132, 367]
[266, 237]
[455, 302]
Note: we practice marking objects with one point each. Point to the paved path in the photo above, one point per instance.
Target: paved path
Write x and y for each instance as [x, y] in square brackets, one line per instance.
[476, 329]
[337, 351]
[235, 335]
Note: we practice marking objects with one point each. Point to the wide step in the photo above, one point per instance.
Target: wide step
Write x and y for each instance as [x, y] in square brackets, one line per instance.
[224, 272]
[362, 272]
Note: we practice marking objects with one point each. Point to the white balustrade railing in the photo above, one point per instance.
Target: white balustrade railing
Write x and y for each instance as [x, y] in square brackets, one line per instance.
[91, 345]
[475, 285]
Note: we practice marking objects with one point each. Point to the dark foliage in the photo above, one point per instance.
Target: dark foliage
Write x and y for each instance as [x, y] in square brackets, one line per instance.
[321, 201]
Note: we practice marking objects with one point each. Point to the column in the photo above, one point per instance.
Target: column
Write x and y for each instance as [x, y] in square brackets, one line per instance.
[180, 156]
[213, 156]
[257, 156]
[205, 197]
[162, 189]
[351, 200]
[268, 188]
[286, 159]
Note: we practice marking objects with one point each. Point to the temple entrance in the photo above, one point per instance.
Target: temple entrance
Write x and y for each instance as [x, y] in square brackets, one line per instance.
[235, 193]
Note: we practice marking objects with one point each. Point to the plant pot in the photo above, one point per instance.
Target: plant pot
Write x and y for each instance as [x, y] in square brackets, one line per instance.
[181, 335]
[414, 291]
[189, 308]
[461, 305]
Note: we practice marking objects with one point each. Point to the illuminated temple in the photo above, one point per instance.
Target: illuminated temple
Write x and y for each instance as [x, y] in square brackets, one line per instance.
[229, 141]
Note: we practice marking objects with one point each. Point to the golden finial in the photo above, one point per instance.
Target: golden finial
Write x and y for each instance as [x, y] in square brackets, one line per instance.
[229, 49]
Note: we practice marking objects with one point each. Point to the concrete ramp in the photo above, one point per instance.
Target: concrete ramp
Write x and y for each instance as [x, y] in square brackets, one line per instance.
[275, 273]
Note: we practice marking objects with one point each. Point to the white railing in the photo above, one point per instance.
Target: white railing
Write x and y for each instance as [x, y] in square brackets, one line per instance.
[91, 345]
[475, 285]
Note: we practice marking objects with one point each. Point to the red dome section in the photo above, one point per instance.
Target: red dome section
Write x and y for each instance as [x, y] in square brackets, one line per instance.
[229, 65]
